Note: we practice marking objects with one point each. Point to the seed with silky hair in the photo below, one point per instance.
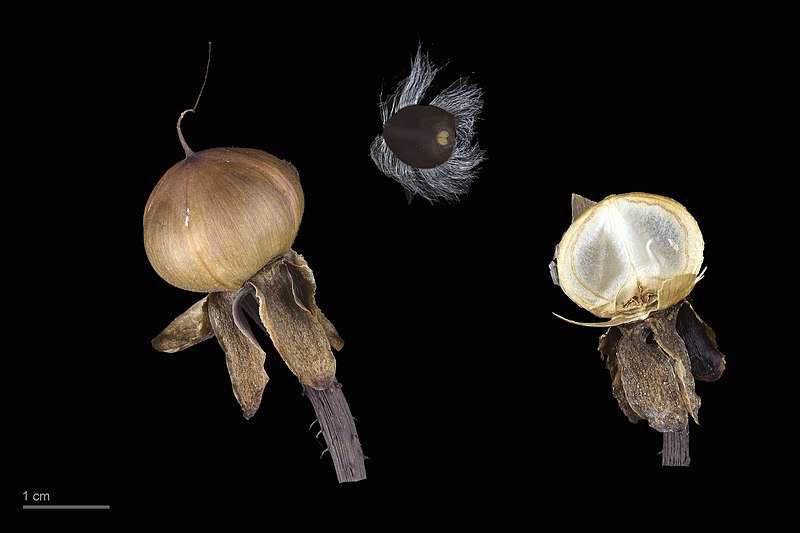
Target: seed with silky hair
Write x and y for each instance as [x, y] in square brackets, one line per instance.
[429, 148]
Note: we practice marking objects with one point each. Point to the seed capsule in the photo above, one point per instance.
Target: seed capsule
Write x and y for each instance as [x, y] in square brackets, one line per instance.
[217, 217]
[630, 255]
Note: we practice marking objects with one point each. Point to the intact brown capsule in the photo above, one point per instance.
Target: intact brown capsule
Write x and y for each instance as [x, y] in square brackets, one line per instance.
[217, 217]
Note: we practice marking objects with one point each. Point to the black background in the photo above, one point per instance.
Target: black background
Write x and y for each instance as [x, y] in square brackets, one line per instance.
[462, 381]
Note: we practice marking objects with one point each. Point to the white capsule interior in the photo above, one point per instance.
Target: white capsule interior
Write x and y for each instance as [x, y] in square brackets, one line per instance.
[616, 257]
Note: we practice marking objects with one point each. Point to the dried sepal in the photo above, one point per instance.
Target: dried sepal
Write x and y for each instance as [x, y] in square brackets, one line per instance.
[285, 308]
[303, 288]
[708, 363]
[652, 371]
[580, 205]
[243, 355]
[191, 327]
[609, 343]
[336, 340]
[648, 379]
[280, 298]
[663, 327]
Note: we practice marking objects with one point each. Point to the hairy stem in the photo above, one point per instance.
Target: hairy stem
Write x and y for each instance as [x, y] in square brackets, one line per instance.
[339, 431]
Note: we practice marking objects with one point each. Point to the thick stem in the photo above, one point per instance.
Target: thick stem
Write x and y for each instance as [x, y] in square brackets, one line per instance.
[676, 448]
[334, 418]
[339, 430]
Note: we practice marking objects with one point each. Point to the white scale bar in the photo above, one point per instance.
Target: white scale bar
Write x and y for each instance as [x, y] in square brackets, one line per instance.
[66, 507]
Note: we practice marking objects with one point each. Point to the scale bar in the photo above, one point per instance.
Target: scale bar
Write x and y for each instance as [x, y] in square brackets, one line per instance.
[66, 507]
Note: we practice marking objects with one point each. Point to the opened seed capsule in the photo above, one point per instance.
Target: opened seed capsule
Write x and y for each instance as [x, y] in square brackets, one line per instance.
[630, 255]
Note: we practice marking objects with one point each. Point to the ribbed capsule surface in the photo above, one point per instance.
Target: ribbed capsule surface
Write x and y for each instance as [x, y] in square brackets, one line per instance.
[629, 255]
[217, 217]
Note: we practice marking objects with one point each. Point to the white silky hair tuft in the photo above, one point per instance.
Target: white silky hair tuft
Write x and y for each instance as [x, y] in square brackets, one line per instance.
[411, 90]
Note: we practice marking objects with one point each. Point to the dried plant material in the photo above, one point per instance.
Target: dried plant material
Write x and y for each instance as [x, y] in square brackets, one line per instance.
[299, 330]
[282, 294]
[580, 205]
[653, 369]
[296, 333]
[663, 327]
[223, 221]
[634, 258]
[243, 355]
[336, 340]
[708, 363]
[609, 344]
[339, 429]
[190, 328]
[628, 256]
[649, 381]
[280, 299]
[676, 448]
[643, 379]
[304, 287]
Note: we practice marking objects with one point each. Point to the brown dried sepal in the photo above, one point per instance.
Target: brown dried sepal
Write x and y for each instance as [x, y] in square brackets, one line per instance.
[609, 343]
[303, 288]
[190, 328]
[285, 294]
[243, 355]
[651, 366]
[663, 327]
[708, 363]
